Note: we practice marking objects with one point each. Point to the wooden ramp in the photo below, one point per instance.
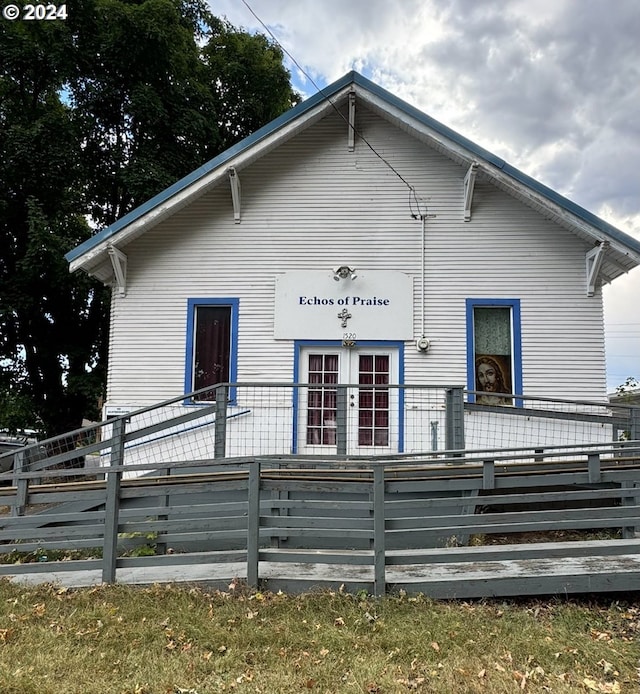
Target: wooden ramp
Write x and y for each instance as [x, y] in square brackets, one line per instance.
[379, 525]
[478, 572]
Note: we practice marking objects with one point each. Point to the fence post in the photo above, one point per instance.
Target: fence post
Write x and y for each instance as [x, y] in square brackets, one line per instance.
[253, 524]
[434, 436]
[593, 465]
[341, 420]
[454, 409]
[379, 550]
[220, 444]
[488, 474]
[20, 483]
[630, 497]
[112, 503]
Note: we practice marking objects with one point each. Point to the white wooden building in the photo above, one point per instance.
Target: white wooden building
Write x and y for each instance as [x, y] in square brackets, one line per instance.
[355, 240]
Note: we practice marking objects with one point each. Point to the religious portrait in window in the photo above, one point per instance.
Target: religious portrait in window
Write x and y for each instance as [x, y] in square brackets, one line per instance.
[492, 332]
[493, 377]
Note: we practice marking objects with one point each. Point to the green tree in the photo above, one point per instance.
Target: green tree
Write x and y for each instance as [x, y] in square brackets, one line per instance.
[99, 113]
[51, 324]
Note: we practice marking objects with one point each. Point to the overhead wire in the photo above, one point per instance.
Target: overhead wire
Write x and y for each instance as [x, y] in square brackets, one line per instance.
[412, 191]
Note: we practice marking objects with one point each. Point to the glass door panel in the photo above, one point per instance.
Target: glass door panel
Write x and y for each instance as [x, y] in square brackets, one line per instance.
[372, 411]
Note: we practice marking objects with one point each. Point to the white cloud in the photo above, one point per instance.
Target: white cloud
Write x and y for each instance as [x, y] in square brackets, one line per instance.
[552, 86]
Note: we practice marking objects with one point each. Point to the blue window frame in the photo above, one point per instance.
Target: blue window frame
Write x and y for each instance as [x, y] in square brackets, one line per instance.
[494, 347]
[212, 344]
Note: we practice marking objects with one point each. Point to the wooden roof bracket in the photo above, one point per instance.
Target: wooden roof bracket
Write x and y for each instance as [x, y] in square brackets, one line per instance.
[593, 260]
[234, 181]
[119, 265]
[469, 184]
[351, 135]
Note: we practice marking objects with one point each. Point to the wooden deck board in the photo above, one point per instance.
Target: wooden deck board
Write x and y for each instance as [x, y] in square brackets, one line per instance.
[460, 580]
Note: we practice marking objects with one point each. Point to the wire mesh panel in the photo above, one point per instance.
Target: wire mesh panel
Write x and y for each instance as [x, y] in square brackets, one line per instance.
[541, 422]
[325, 417]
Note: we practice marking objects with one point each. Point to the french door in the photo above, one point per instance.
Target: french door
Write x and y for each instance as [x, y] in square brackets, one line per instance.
[347, 407]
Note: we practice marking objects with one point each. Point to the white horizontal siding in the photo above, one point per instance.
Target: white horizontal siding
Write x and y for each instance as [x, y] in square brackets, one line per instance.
[313, 205]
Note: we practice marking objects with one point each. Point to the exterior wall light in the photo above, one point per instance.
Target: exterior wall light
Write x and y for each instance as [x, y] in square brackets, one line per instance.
[344, 272]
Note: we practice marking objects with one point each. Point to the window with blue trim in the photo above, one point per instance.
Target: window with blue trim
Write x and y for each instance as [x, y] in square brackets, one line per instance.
[212, 330]
[494, 354]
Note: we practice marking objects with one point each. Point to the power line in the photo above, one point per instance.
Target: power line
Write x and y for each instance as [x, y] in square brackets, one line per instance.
[412, 191]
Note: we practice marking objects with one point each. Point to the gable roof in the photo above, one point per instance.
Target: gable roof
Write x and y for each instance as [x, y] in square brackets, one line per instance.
[622, 252]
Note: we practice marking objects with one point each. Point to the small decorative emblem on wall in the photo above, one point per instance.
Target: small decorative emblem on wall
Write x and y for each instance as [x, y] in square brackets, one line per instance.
[344, 315]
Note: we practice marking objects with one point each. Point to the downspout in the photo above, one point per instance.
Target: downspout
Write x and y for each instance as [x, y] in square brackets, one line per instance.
[422, 342]
[423, 282]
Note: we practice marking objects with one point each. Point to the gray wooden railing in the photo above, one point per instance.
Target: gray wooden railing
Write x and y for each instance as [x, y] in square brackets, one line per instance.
[377, 516]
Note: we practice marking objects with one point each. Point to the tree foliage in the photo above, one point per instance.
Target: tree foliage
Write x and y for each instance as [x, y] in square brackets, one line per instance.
[98, 113]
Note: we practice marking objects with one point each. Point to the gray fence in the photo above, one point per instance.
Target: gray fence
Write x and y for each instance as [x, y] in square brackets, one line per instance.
[419, 523]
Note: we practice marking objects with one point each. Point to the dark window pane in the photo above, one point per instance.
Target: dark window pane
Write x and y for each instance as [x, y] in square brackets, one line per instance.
[382, 399]
[329, 437]
[366, 363]
[315, 362]
[366, 418]
[366, 399]
[365, 437]
[212, 346]
[382, 363]
[330, 399]
[314, 418]
[313, 436]
[382, 437]
[331, 362]
[382, 419]
[315, 398]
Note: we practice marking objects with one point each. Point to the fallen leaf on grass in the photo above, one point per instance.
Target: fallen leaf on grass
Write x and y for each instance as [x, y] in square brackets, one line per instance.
[412, 682]
[603, 687]
[608, 668]
[435, 646]
[520, 678]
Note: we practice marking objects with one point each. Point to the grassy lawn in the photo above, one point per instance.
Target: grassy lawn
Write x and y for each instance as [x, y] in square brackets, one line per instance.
[176, 640]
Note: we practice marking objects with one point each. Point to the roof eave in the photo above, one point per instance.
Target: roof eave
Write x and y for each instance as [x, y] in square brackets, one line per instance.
[197, 182]
[624, 249]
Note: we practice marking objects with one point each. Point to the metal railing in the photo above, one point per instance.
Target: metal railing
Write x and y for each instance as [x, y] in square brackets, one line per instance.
[255, 419]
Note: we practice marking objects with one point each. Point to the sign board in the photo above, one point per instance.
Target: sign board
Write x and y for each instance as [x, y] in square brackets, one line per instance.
[111, 411]
[375, 305]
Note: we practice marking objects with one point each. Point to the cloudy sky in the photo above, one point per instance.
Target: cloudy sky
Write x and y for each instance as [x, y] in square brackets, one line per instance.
[552, 86]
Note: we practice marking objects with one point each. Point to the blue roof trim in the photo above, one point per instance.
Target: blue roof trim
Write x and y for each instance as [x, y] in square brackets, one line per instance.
[392, 100]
